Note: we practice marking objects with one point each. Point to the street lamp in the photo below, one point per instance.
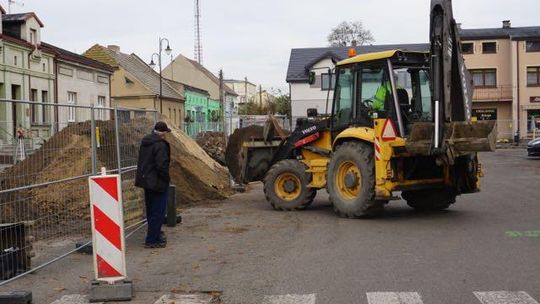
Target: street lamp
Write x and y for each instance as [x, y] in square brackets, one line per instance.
[152, 64]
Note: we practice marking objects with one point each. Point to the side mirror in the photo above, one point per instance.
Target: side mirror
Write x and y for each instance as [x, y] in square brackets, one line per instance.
[311, 79]
[312, 112]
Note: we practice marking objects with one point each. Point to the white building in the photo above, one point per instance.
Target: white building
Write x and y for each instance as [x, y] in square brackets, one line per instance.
[80, 81]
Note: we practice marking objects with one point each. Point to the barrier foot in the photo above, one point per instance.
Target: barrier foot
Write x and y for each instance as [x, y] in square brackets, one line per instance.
[16, 297]
[105, 292]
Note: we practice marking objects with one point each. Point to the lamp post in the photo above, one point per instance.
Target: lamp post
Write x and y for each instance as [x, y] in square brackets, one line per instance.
[152, 64]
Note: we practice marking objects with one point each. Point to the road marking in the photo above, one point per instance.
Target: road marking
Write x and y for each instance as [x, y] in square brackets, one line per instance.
[186, 299]
[527, 234]
[394, 298]
[504, 297]
[290, 299]
[73, 299]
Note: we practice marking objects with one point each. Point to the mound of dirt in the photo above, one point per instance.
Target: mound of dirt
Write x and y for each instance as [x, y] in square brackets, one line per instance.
[213, 143]
[67, 154]
[234, 148]
[196, 175]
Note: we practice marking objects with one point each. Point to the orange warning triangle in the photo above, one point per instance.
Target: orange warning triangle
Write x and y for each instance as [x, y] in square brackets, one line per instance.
[109, 184]
[389, 131]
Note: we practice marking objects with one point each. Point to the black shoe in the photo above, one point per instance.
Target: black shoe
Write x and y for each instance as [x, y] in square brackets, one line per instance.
[156, 245]
[162, 237]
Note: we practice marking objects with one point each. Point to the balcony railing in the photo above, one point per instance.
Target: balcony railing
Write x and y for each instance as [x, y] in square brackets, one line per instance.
[496, 93]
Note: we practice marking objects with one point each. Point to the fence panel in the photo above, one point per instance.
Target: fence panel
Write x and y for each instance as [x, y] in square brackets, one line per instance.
[47, 153]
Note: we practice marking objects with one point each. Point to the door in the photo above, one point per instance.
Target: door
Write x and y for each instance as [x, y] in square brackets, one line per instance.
[343, 100]
[16, 108]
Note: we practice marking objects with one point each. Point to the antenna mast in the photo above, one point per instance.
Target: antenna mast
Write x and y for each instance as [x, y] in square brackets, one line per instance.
[10, 2]
[198, 44]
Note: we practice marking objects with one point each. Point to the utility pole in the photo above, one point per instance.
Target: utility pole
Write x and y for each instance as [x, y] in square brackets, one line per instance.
[245, 90]
[198, 42]
[260, 98]
[222, 102]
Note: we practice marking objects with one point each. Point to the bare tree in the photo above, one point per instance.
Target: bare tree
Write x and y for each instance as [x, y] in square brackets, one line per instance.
[347, 32]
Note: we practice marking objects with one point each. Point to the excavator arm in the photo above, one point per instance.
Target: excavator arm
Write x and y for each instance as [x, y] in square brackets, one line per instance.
[451, 82]
[452, 132]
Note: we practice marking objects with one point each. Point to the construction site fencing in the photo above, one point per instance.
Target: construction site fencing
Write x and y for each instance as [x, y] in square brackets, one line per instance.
[47, 153]
[193, 129]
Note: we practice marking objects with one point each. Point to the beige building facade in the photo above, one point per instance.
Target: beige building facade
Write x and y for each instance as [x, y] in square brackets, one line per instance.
[136, 85]
[505, 66]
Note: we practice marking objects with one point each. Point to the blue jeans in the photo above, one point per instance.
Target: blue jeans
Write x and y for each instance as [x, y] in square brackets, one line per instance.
[156, 206]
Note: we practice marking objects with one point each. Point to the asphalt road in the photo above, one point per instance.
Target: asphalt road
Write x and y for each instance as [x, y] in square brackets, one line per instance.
[486, 242]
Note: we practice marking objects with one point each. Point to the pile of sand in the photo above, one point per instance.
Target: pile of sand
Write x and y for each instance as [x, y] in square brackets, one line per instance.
[197, 176]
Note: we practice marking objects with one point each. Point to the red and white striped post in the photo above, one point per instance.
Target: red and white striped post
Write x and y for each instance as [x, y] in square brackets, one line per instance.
[107, 227]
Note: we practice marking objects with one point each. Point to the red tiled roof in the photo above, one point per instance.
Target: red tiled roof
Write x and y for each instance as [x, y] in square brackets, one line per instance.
[20, 42]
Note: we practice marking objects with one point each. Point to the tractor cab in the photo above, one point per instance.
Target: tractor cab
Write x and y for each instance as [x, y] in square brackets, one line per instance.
[391, 84]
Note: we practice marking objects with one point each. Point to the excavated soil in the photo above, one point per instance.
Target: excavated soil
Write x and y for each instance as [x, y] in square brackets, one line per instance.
[234, 147]
[213, 143]
[197, 176]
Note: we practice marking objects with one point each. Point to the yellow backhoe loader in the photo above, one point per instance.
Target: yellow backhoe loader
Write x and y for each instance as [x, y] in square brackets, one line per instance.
[400, 124]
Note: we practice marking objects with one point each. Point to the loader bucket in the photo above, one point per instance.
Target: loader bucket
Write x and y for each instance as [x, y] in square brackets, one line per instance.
[460, 137]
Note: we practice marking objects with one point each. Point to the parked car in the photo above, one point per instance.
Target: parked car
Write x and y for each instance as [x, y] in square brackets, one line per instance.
[533, 148]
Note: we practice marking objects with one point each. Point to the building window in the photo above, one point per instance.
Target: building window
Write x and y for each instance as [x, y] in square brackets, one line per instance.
[484, 78]
[33, 36]
[100, 106]
[15, 60]
[533, 76]
[328, 81]
[467, 48]
[72, 111]
[533, 46]
[489, 47]
[45, 110]
[44, 67]
[35, 108]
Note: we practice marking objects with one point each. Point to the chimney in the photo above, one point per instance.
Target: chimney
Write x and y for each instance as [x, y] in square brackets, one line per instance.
[506, 24]
[114, 48]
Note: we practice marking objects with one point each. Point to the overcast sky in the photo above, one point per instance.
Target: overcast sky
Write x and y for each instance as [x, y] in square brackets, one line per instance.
[251, 38]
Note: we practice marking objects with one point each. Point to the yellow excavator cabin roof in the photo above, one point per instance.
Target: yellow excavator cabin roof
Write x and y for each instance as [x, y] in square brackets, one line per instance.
[371, 57]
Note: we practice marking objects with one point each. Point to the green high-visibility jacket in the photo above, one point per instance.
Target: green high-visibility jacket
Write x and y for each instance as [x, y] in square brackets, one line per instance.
[380, 96]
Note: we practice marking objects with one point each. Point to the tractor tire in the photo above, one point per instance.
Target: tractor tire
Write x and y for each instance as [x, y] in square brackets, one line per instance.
[430, 200]
[285, 186]
[351, 181]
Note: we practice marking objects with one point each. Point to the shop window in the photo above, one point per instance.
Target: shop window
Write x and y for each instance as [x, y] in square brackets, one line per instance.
[533, 120]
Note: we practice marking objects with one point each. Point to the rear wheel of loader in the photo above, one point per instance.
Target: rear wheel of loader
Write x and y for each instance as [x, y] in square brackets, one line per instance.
[351, 181]
[285, 186]
[430, 200]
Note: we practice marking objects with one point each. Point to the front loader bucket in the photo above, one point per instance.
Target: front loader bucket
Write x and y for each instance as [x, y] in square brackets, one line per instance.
[460, 137]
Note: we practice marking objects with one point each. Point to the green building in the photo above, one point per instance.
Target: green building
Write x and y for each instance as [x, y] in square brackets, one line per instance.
[199, 107]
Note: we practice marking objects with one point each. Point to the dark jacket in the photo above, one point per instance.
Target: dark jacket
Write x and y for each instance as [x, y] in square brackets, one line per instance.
[153, 164]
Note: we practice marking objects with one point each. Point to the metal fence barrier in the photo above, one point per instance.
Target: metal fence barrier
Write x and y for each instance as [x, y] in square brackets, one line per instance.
[47, 153]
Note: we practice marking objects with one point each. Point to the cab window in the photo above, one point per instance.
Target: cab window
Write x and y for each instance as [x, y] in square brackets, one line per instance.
[343, 99]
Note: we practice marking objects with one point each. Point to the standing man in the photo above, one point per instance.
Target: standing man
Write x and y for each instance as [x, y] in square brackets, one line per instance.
[153, 177]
